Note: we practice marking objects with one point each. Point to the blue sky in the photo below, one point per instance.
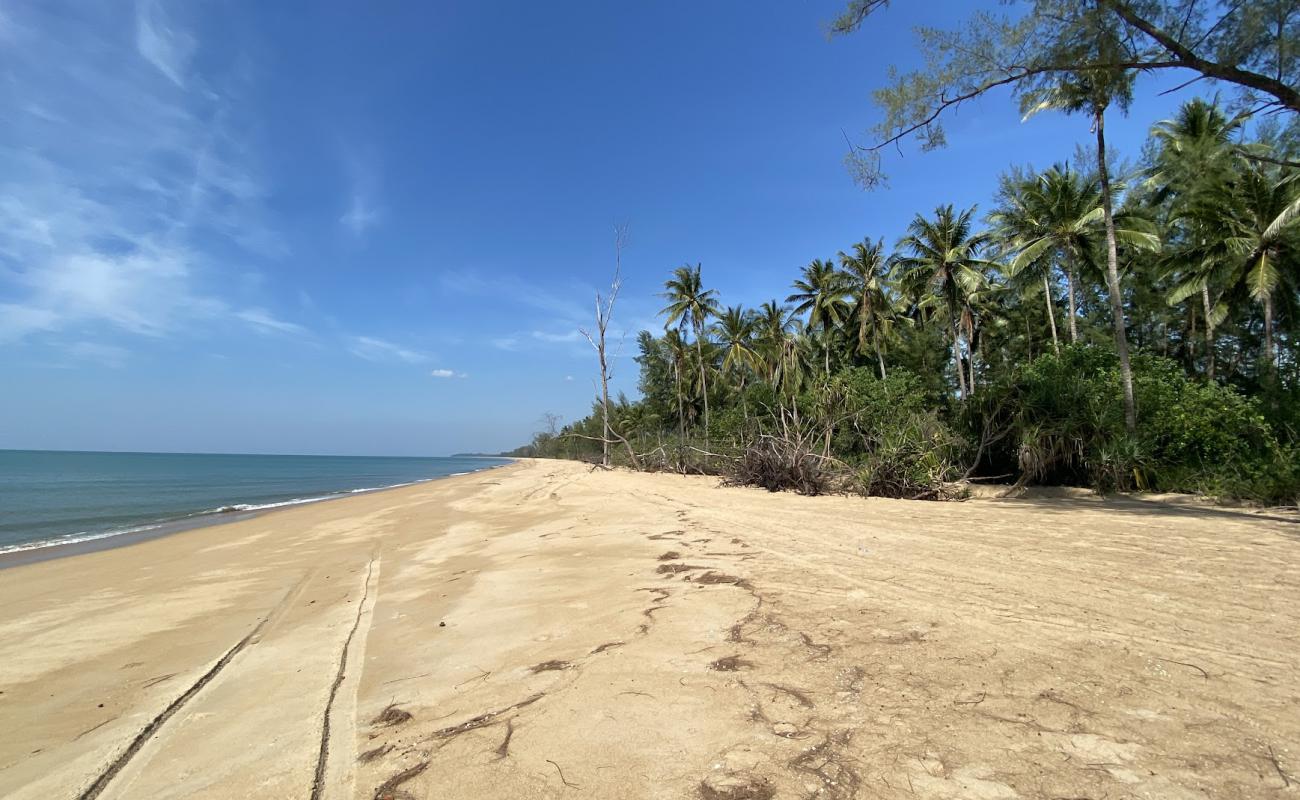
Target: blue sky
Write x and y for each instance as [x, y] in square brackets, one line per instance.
[239, 226]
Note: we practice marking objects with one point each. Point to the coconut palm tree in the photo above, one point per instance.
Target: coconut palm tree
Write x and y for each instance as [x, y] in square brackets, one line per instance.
[1055, 219]
[823, 293]
[679, 358]
[1192, 177]
[1093, 92]
[1266, 235]
[872, 309]
[689, 303]
[941, 271]
[734, 329]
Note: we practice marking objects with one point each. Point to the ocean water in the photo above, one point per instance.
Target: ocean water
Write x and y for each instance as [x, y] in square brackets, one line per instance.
[50, 498]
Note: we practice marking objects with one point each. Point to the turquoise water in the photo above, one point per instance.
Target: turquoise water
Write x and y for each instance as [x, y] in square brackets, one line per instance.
[49, 498]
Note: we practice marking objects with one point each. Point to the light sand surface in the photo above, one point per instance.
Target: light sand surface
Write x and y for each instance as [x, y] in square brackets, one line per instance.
[544, 630]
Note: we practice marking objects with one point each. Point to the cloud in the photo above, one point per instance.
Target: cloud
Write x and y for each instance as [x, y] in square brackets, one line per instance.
[360, 216]
[447, 373]
[263, 320]
[159, 43]
[16, 321]
[380, 351]
[107, 355]
[564, 306]
[559, 338]
[362, 213]
[563, 312]
[123, 197]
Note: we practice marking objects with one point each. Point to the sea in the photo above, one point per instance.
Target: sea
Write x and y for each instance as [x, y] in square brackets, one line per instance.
[54, 498]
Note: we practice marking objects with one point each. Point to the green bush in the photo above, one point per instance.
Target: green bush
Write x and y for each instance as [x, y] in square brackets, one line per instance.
[1065, 424]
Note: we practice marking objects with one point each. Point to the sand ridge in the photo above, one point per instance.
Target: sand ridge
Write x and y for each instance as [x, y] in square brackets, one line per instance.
[545, 630]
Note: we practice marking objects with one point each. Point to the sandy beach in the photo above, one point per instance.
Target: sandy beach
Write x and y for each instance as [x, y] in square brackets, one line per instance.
[543, 630]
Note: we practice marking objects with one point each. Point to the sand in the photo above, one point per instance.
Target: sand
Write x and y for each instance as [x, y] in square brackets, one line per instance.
[543, 630]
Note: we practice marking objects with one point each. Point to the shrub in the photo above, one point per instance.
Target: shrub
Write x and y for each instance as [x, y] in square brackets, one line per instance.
[1063, 416]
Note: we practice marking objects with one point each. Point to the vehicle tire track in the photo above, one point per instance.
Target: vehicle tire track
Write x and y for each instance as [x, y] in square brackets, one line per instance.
[101, 783]
[322, 759]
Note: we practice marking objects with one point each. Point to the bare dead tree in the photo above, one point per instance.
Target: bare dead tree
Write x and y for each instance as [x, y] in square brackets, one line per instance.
[604, 312]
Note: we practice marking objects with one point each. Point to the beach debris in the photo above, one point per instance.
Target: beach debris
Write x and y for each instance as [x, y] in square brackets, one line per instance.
[670, 556]
[712, 577]
[730, 664]
[442, 624]
[484, 719]
[390, 789]
[673, 569]
[503, 749]
[736, 787]
[607, 646]
[371, 755]
[390, 716]
[563, 779]
[550, 666]
[799, 697]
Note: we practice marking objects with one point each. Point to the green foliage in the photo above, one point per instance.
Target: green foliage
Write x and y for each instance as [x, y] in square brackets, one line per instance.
[1065, 423]
[990, 353]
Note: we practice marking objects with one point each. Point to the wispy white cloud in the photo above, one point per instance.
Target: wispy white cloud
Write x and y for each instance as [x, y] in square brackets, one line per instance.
[264, 320]
[567, 337]
[448, 373]
[123, 189]
[561, 312]
[378, 350]
[360, 216]
[107, 355]
[17, 322]
[159, 43]
[363, 211]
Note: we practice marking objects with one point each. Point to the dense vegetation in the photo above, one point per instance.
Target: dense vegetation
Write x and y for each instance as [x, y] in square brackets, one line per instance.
[982, 346]
[1117, 327]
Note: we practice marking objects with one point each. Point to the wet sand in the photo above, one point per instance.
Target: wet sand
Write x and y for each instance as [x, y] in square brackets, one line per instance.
[543, 630]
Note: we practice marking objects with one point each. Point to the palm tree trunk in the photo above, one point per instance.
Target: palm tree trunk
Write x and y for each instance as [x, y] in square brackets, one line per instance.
[826, 348]
[1268, 333]
[970, 351]
[956, 361]
[1051, 313]
[1112, 277]
[704, 384]
[1209, 332]
[1074, 311]
[880, 356]
[681, 413]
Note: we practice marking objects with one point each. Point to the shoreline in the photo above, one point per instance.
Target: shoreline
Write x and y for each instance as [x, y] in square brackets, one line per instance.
[46, 550]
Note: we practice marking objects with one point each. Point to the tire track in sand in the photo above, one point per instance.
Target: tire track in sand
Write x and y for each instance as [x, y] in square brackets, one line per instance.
[96, 788]
[319, 781]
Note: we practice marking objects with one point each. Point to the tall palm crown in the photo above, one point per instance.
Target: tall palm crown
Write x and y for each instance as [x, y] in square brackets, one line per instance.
[1193, 177]
[822, 292]
[940, 264]
[1055, 219]
[735, 329]
[689, 303]
[867, 271]
[1266, 229]
[942, 273]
